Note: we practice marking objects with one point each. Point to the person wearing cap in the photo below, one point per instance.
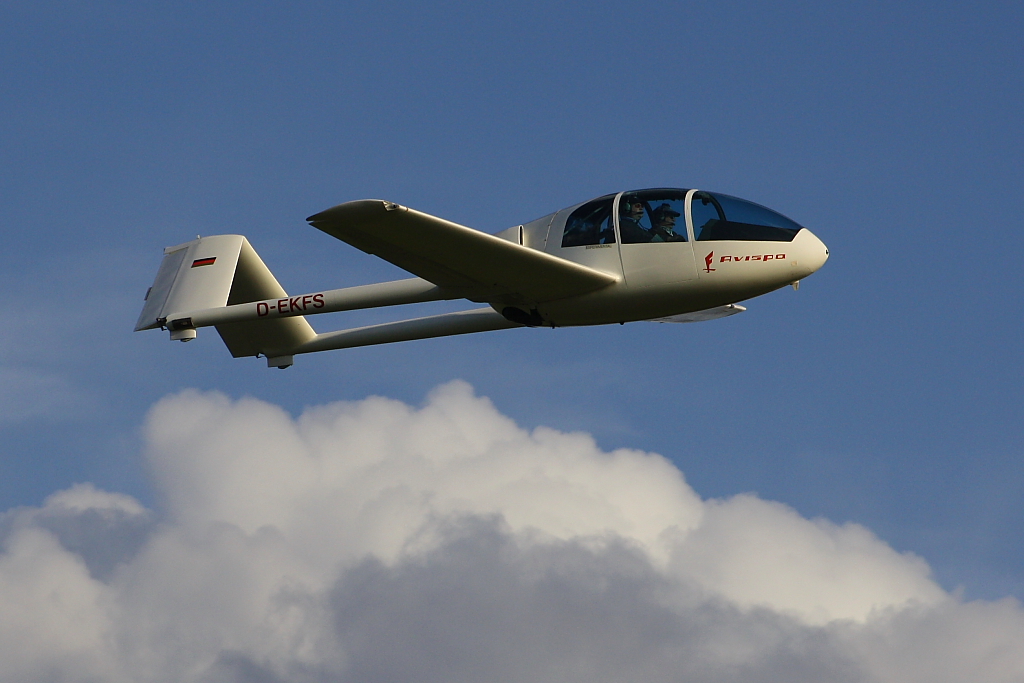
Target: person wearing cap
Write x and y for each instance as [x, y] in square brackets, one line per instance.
[631, 212]
[665, 225]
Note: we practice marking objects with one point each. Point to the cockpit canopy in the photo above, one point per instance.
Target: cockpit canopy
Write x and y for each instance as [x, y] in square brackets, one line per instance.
[721, 217]
[659, 215]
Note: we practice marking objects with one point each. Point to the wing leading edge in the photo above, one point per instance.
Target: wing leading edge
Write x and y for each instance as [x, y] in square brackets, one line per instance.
[479, 266]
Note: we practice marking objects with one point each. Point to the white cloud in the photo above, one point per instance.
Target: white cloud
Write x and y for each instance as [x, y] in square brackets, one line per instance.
[371, 474]
[54, 621]
[759, 552]
[374, 541]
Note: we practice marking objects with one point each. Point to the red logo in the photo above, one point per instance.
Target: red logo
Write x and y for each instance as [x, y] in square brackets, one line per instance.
[707, 262]
[755, 257]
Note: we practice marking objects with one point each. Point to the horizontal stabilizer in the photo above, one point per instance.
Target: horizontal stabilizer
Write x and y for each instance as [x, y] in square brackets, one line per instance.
[194, 275]
[481, 267]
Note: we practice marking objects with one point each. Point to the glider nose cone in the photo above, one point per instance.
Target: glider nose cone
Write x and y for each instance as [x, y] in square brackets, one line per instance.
[815, 253]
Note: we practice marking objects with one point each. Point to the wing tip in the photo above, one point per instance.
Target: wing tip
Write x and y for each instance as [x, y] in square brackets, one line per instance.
[358, 206]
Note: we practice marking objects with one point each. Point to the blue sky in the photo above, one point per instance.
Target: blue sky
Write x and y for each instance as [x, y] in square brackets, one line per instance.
[887, 391]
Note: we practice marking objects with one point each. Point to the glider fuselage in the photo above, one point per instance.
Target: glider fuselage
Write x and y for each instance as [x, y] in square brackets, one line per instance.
[668, 255]
[693, 270]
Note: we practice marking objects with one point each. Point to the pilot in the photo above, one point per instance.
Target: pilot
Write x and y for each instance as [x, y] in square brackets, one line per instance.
[631, 212]
[665, 225]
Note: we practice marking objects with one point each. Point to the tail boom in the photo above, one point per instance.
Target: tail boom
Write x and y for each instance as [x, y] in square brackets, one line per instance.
[398, 292]
[444, 325]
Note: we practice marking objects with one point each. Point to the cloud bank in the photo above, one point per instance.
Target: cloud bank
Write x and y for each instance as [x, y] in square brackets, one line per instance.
[374, 541]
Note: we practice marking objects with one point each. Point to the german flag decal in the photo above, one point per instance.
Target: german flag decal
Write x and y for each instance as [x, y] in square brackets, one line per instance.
[204, 261]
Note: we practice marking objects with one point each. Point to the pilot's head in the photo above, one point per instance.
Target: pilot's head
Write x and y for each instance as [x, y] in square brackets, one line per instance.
[665, 216]
[633, 208]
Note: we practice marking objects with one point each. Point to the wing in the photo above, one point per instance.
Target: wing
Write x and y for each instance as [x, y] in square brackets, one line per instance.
[479, 266]
[701, 316]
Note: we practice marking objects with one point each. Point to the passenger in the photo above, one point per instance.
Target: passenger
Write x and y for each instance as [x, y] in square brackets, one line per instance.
[665, 225]
[631, 212]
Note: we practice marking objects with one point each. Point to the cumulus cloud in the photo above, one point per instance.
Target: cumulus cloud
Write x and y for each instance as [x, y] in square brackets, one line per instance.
[372, 541]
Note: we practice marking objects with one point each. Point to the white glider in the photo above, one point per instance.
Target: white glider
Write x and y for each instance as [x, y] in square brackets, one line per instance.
[666, 255]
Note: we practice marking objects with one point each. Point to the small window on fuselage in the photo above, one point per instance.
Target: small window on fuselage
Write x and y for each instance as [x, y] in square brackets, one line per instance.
[590, 224]
[721, 217]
